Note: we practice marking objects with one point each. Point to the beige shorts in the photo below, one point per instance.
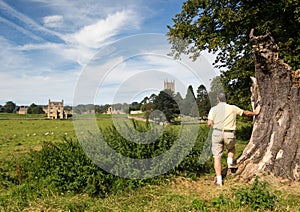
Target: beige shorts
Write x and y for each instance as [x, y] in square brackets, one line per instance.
[221, 139]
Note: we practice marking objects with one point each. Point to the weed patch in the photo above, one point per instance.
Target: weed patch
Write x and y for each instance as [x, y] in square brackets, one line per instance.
[256, 196]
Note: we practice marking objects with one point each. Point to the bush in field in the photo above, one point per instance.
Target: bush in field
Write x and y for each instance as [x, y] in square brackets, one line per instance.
[64, 166]
[190, 165]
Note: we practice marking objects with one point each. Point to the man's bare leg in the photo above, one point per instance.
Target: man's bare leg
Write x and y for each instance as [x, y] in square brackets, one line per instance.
[218, 170]
[230, 157]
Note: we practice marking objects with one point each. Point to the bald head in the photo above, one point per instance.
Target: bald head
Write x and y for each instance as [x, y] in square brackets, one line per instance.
[222, 97]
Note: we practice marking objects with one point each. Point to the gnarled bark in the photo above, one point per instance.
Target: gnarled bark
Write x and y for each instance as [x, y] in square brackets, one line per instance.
[274, 146]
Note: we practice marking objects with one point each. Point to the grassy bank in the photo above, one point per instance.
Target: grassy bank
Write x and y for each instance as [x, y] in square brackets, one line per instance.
[42, 168]
[179, 194]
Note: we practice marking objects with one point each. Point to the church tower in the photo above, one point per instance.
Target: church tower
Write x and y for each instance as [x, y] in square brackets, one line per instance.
[169, 85]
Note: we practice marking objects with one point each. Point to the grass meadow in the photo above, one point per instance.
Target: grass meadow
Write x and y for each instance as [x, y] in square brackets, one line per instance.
[42, 168]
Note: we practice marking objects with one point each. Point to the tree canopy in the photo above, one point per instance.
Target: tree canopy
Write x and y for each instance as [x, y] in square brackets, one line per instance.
[222, 27]
[9, 107]
[188, 103]
[165, 102]
[203, 101]
[35, 109]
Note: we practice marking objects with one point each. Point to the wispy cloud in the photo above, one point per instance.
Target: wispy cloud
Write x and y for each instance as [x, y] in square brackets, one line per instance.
[20, 29]
[94, 35]
[77, 13]
[83, 44]
[54, 21]
[25, 22]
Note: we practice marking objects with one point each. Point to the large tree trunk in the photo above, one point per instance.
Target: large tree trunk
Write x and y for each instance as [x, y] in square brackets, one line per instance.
[274, 146]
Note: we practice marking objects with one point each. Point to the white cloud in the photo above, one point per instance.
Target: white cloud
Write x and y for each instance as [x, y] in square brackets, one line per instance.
[77, 13]
[94, 35]
[54, 21]
[81, 45]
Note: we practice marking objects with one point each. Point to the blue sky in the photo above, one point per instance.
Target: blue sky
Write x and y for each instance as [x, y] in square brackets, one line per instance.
[48, 46]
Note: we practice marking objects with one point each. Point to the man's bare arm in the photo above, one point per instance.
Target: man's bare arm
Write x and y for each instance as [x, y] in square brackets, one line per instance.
[210, 123]
[250, 113]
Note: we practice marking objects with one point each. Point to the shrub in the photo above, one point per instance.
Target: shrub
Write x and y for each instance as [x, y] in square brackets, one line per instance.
[65, 167]
[256, 196]
[198, 205]
[221, 201]
[6, 179]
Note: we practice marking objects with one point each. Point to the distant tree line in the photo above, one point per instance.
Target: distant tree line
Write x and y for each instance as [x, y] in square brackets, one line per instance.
[170, 104]
[35, 109]
[11, 107]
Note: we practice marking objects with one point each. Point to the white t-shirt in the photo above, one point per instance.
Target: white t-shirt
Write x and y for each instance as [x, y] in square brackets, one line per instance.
[224, 115]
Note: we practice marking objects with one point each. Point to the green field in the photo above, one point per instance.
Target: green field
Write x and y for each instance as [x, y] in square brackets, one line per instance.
[20, 133]
[177, 191]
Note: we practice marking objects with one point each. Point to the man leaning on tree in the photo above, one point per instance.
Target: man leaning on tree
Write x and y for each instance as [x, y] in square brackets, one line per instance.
[222, 118]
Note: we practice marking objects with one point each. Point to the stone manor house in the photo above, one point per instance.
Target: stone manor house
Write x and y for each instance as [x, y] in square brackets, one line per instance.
[55, 110]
